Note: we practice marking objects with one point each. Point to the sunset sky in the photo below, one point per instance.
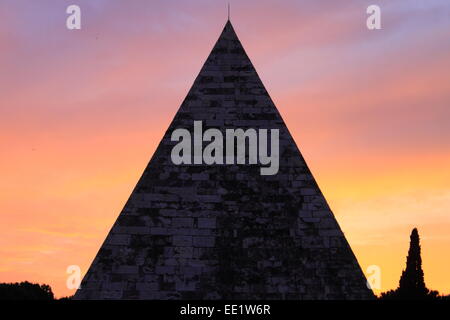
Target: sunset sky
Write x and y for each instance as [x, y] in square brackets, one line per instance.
[82, 111]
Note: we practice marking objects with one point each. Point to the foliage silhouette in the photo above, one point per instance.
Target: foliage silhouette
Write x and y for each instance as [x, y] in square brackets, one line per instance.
[25, 291]
[412, 284]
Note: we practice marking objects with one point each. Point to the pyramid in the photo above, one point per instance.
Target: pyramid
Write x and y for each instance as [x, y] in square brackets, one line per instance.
[225, 231]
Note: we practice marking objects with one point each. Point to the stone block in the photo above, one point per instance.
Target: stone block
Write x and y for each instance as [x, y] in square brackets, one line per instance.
[207, 223]
[203, 241]
[182, 222]
[182, 241]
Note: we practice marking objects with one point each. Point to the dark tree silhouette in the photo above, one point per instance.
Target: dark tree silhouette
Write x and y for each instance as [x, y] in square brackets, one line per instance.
[25, 291]
[412, 284]
[412, 281]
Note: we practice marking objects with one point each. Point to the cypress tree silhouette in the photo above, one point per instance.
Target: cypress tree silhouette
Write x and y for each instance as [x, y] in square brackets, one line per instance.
[412, 284]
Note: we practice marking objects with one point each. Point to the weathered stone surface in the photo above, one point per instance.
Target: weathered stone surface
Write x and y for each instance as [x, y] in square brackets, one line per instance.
[225, 231]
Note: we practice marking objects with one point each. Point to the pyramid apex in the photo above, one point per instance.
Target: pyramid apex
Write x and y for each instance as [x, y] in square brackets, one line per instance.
[228, 32]
[229, 25]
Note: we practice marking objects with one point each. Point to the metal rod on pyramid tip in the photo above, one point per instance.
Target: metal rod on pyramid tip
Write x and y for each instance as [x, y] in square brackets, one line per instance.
[228, 11]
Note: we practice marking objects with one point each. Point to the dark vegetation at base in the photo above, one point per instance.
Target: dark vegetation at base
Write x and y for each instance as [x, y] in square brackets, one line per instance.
[33, 291]
[25, 291]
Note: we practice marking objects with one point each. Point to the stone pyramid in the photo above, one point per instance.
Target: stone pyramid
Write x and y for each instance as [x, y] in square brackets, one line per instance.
[197, 231]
